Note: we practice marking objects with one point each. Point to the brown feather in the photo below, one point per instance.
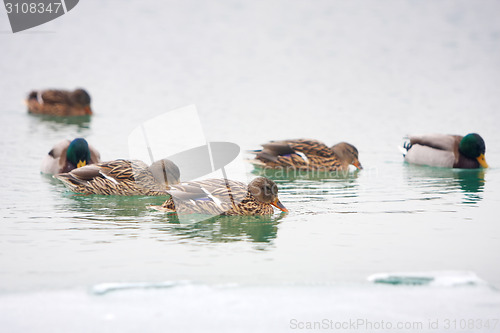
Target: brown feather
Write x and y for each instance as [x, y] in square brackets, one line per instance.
[118, 177]
[59, 102]
[304, 154]
[232, 198]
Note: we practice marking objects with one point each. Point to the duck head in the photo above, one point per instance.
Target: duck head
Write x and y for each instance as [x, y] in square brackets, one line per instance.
[82, 98]
[165, 172]
[78, 152]
[266, 191]
[472, 146]
[347, 154]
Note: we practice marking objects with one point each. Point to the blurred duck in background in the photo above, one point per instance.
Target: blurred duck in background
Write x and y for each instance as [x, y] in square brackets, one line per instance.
[448, 151]
[68, 155]
[59, 102]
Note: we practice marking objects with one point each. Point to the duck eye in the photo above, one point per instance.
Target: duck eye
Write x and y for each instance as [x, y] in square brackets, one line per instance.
[267, 189]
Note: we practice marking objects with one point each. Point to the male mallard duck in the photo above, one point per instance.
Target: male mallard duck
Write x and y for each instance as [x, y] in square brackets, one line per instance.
[68, 155]
[59, 102]
[122, 177]
[307, 155]
[449, 151]
[224, 197]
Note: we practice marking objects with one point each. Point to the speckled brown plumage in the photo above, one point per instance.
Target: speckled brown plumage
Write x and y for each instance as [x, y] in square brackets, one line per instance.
[122, 177]
[223, 197]
[59, 102]
[304, 154]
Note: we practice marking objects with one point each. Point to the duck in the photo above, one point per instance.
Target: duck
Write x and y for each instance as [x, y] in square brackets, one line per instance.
[69, 155]
[59, 102]
[223, 197]
[306, 154]
[122, 177]
[448, 151]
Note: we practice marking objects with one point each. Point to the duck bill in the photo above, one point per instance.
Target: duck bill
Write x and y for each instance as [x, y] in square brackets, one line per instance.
[482, 161]
[357, 165]
[279, 205]
[81, 163]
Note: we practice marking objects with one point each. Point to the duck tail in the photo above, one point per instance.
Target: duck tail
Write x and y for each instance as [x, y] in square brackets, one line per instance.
[262, 156]
[33, 95]
[254, 151]
[70, 181]
[256, 162]
[162, 209]
[405, 146]
[402, 150]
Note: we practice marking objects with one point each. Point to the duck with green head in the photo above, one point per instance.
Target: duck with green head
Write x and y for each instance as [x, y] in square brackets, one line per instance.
[68, 155]
[448, 151]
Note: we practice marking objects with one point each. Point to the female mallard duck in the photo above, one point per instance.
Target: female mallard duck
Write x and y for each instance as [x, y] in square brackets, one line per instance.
[449, 151]
[307, 155]
[224, 197]
[68, 155]
[59, 102]
[122, 177]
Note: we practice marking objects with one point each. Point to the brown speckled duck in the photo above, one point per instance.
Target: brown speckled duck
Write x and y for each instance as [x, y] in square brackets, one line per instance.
[59, 102]
[68, 155]
[307, 154]
[122, 177]
[224, 197]
[448, 151]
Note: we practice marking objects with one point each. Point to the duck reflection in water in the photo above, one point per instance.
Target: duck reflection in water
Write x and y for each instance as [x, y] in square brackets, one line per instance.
[470, 182]
[57, 123]
[225, 229]
[110, 208]
[298, 174]
[130, 213]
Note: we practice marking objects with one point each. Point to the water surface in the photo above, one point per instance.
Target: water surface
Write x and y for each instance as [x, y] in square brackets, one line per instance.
[364, 73]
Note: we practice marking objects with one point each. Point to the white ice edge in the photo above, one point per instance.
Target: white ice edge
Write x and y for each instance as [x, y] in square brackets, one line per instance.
[104, 288]
[430, 278]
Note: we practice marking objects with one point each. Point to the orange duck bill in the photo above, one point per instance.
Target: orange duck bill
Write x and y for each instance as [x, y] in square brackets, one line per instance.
[357, 165]
[279, 205]
[482, 161]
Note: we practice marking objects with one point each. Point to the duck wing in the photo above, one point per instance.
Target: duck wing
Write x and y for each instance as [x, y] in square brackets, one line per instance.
[310, 147]
[437, 141]
[303, 147]
[300, 153]
[83, 174]
[56, 97]
[123, 170]
[270, 151]
[212, 196]
[115, 171]
[78, 180]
